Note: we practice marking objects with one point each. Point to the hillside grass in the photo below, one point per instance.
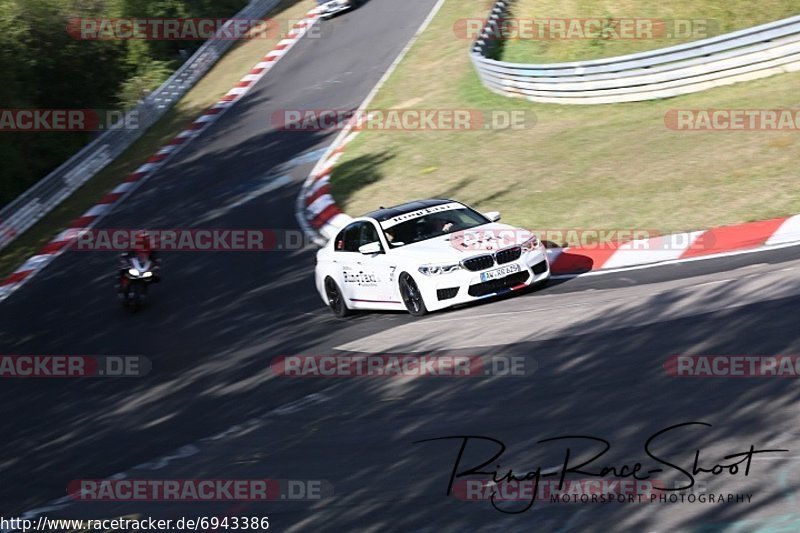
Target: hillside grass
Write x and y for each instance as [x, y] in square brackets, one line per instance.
[684, 21]
[608, 166]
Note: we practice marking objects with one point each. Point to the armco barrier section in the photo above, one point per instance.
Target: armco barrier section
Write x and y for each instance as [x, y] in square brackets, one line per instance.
[28, 208]
[744, 55]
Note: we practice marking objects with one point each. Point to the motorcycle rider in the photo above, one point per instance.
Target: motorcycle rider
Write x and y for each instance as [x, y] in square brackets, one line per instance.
[142, 249]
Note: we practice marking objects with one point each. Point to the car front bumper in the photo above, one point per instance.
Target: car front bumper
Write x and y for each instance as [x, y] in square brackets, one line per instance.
[464, 286]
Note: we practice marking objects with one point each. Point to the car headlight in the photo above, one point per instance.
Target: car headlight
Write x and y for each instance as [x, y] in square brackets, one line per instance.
[133, 272]
[435, 270]
[530, 244]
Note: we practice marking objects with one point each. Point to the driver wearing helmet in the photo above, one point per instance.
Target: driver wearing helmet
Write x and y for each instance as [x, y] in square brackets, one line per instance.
[142, 248]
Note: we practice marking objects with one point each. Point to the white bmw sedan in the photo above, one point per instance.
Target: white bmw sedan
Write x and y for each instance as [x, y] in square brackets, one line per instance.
[424, 256]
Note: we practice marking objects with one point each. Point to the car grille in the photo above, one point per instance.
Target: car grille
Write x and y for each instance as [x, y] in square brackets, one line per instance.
[481, 262]
[446, 294]
[495, 285]
[540, 268]
[508, 255]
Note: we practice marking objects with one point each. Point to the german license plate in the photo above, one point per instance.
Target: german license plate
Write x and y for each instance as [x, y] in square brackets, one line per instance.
[500, 272]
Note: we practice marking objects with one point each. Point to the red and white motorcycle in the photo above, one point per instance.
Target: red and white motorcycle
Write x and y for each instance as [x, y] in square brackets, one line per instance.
[138, 271]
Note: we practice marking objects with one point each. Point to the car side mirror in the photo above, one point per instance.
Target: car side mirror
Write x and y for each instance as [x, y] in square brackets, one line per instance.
[494, 216]
[370, 248]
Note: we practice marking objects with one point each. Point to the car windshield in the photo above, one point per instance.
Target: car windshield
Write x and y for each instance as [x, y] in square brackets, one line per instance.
[431, 225]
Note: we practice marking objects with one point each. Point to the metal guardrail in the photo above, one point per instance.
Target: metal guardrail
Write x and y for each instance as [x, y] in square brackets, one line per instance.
[28, 208]
[743, 55]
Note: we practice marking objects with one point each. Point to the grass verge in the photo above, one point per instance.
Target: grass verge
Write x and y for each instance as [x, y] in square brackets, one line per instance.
[604, 167]
[684, 21]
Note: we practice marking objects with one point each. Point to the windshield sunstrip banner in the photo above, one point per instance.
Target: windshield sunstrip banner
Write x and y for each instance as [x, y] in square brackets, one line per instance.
[405, 217]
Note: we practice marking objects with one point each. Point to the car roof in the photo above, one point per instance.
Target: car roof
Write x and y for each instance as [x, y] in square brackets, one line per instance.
[385, 213]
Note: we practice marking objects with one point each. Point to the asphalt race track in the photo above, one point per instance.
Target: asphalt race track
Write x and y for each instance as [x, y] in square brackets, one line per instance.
[212, 308]
[218, 319]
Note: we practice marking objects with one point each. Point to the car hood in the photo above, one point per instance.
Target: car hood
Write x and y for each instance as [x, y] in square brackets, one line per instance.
[451, 247]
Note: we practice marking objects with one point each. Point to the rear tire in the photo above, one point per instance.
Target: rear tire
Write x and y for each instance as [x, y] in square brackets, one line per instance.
[412, 297]
[134, 297]
[335, 299]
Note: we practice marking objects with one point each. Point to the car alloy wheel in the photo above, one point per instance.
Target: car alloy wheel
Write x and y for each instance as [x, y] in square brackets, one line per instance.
[412, 297]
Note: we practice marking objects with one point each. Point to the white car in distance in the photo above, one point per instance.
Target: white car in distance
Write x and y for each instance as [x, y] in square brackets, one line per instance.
[330, 8]
[425, 256]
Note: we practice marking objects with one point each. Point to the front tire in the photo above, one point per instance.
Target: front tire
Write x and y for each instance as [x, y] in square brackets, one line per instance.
[412, 297]
[335, 299]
